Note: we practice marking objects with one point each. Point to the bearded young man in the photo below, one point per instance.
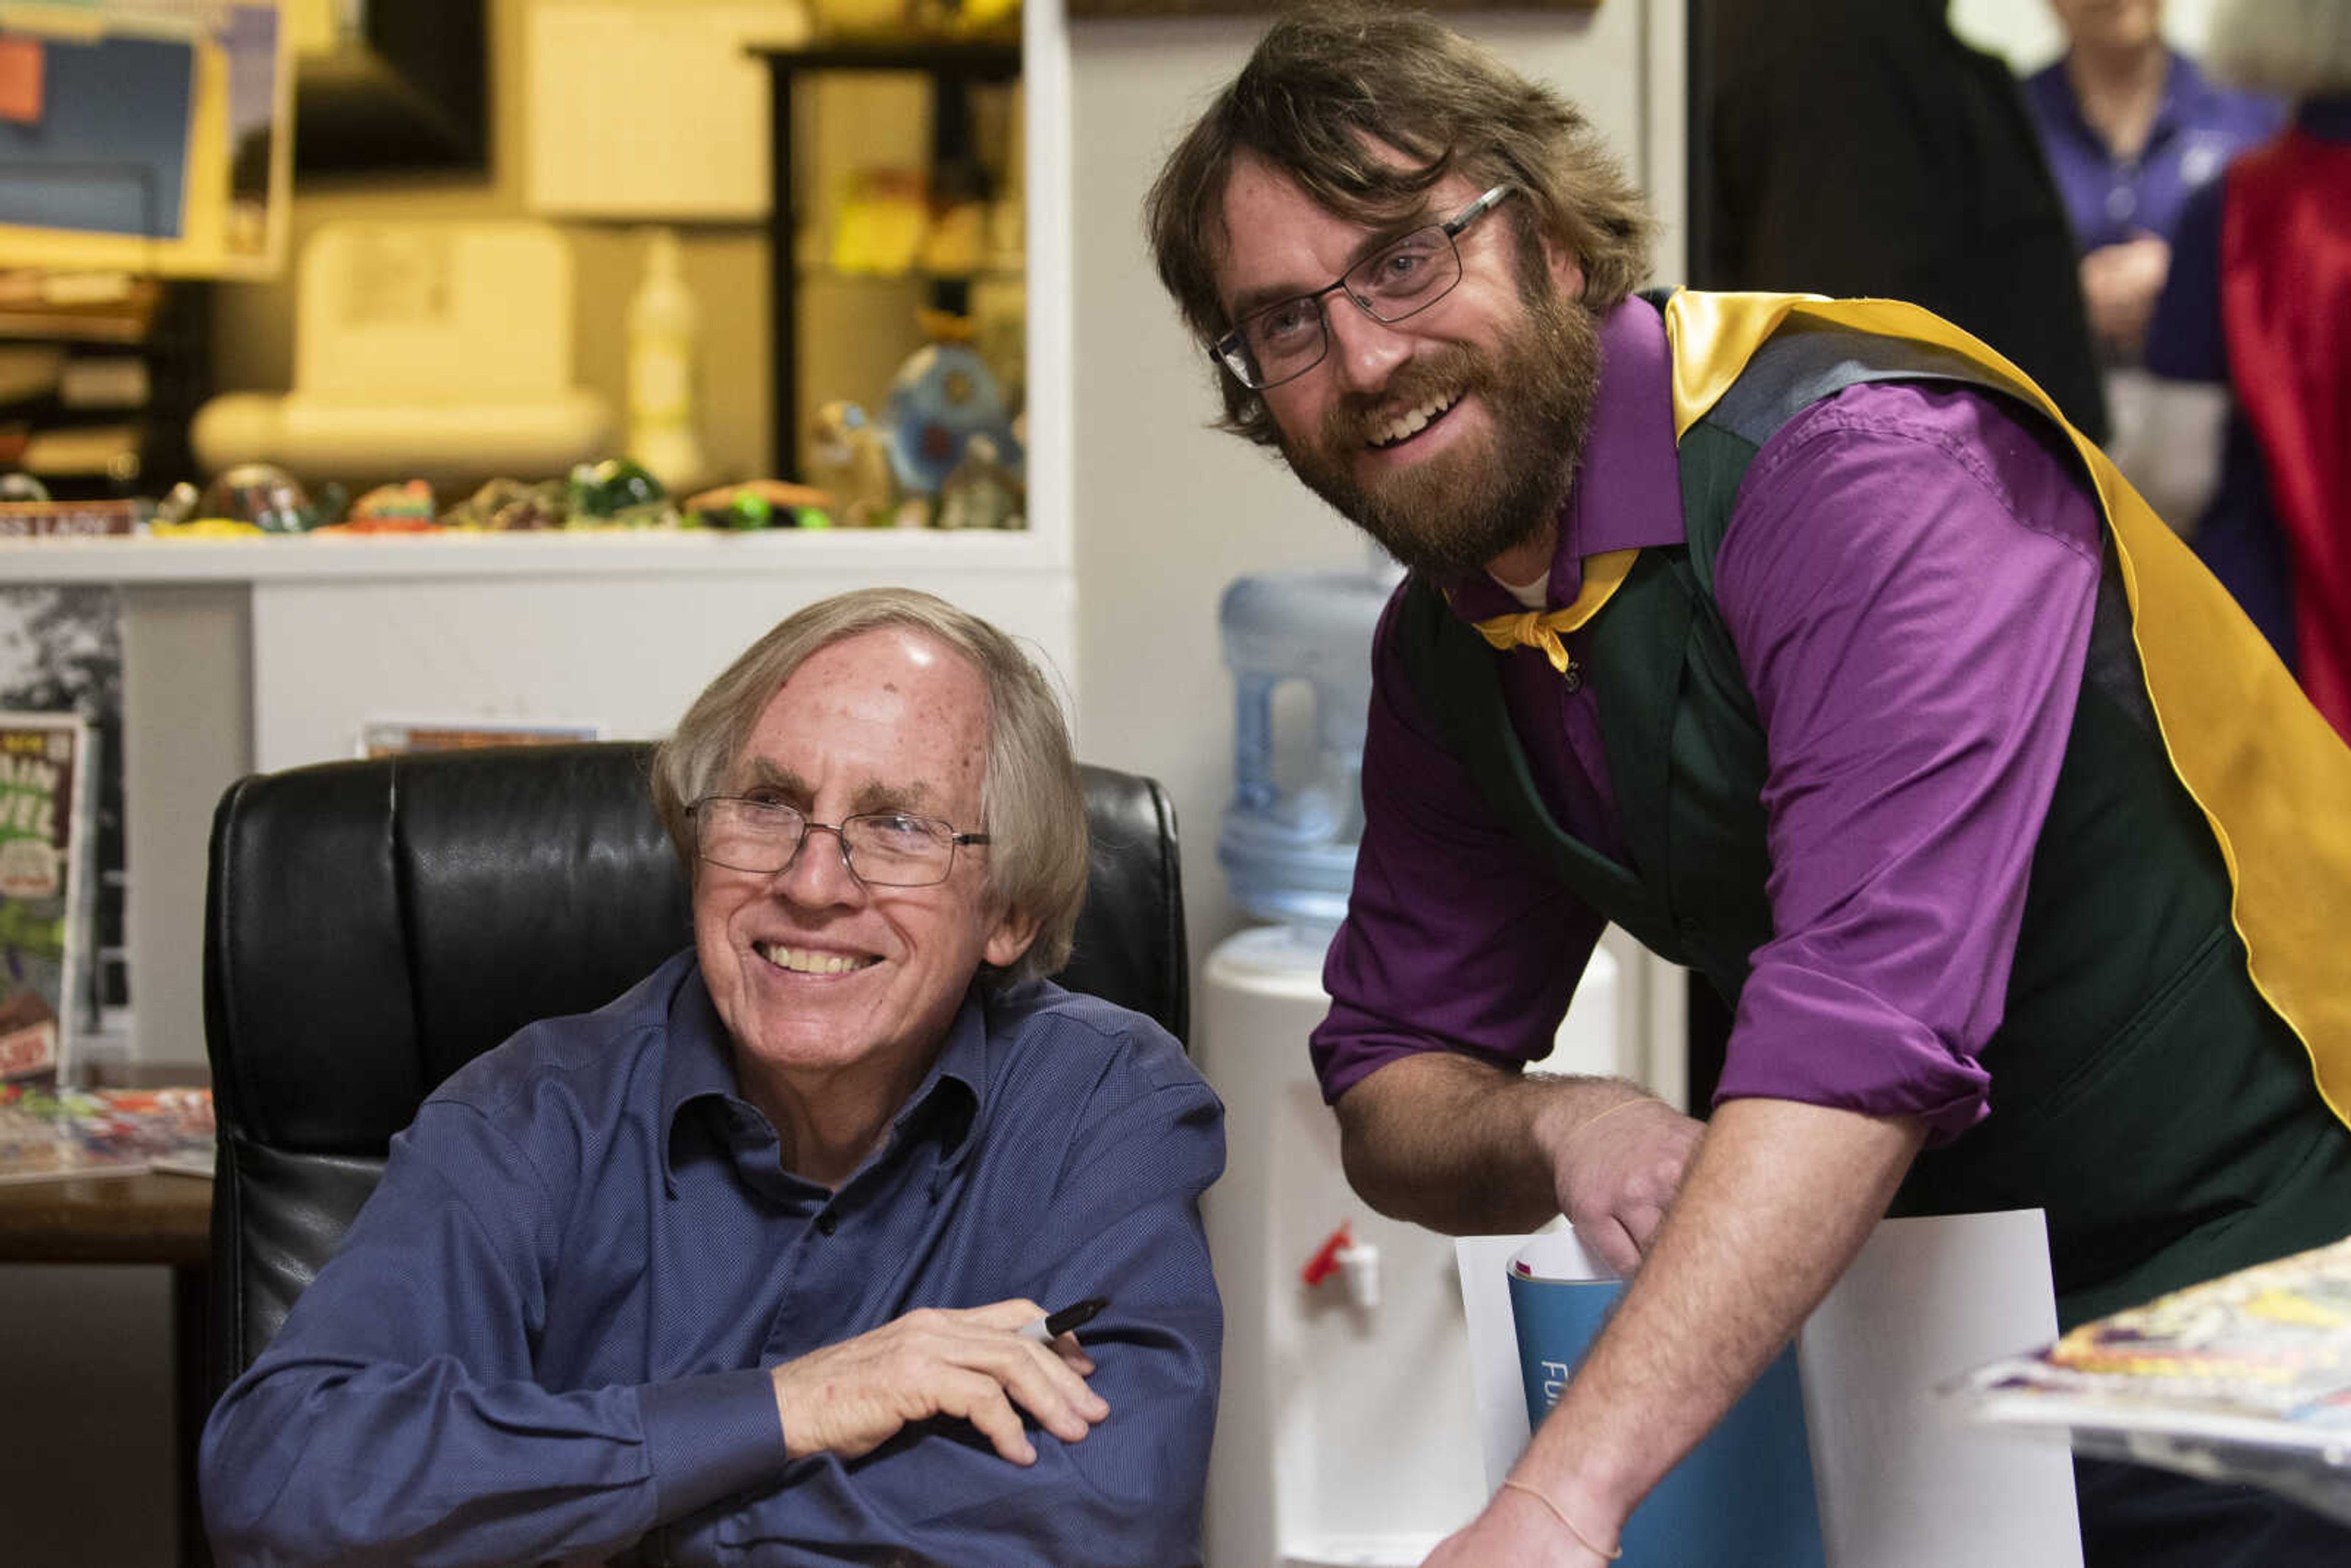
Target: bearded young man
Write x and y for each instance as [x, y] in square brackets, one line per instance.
[1794, 637]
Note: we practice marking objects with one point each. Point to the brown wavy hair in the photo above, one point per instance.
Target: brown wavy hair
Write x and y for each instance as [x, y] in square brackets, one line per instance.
[1327, 90]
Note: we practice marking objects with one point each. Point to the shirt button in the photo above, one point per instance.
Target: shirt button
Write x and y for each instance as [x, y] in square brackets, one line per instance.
[827, 1223]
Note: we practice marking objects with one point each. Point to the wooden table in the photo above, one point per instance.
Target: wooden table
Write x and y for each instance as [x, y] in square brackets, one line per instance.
[144, 1218]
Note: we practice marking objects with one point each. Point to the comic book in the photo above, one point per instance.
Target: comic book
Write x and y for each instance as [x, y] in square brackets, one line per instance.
[46, 925]
[2246, 1377]
[46, 1134]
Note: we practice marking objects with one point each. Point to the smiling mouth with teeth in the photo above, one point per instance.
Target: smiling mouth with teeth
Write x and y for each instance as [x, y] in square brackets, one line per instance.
[802, 961]
[1405, 426]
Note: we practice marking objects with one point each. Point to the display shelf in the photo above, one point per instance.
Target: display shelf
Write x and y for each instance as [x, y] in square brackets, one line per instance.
[553, 554]
[953, 67]
[150, 343]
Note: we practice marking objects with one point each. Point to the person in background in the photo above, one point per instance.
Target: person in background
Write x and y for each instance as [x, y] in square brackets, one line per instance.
[2259, 297]
[1859, 148]
[2131, 127]
[1793, 636]
[748, 1266]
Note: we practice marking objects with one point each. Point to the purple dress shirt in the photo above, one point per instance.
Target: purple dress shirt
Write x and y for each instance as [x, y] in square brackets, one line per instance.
[2199, 127]
[1909, 577]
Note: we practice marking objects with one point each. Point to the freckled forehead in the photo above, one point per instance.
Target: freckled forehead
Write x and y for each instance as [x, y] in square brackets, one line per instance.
[891, 701]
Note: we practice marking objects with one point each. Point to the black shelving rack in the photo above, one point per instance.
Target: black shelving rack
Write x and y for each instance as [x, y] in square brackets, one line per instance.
[953, 67]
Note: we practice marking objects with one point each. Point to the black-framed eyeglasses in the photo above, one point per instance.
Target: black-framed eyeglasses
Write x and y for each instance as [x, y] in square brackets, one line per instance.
[880, 848]
[1284, 340]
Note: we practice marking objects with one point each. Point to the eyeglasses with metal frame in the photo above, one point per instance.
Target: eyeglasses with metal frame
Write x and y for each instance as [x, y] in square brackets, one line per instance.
[1284, 340]
[880, 848]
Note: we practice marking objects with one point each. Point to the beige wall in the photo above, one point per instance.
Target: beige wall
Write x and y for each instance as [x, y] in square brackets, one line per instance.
[1168, 512]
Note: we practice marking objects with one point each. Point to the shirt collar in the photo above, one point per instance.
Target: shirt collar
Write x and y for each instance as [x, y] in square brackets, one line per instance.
[2183, 85]
[1628, 491]
[699, 1063]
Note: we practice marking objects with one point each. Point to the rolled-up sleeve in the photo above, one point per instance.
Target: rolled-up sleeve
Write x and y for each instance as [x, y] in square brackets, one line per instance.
[1448, 943]
[1909, 577]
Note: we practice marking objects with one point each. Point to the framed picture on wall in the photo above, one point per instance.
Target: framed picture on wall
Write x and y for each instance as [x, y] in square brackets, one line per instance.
[145, 136]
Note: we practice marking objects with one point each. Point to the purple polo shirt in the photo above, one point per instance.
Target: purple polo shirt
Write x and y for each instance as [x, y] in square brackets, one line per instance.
[2199, 127]
[1907, 576]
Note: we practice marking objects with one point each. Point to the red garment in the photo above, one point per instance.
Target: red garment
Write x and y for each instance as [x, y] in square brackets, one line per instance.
[2285, 310]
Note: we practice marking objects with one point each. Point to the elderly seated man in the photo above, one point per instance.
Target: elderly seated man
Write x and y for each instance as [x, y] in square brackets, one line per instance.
[751, 1264]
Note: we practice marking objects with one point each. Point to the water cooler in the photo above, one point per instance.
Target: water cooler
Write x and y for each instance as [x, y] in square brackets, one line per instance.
[1347, 1435]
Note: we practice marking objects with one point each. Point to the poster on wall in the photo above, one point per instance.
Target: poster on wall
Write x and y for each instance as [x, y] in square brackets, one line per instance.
[44, 926]
[148, 136]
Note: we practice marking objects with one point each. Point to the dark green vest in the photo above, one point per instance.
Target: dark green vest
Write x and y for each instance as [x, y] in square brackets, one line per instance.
[2142, 1092]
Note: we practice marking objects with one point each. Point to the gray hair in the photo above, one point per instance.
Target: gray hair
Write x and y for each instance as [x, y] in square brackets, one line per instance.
[1031, 805]
[2300, 48]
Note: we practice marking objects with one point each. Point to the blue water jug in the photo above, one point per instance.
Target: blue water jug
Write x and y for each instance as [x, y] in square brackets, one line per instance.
[1289, 853]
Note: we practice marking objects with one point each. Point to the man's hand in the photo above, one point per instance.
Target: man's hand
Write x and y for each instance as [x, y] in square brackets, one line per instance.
[1616, 1167]
[1471, 1148]
[1514, 1531]
[2120, 284]
[849, 1398]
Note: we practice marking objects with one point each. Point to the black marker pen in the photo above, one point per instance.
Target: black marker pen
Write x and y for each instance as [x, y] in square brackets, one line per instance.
[1050, 1327]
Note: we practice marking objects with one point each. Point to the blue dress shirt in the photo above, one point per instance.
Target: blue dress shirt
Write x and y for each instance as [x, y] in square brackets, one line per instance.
[546, 1336]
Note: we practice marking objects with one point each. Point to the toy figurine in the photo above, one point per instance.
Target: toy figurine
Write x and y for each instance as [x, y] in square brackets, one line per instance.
[941, 397]
[268, 498]
[394, 509]
[980, 493]
[847, 458]
[754, 504]
[508, 505]
[619, 493]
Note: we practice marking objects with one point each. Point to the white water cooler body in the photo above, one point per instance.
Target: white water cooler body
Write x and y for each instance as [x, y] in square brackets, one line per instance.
[1347, 1433]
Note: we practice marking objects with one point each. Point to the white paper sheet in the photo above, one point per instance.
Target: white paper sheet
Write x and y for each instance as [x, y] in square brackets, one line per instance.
[1901, 1481]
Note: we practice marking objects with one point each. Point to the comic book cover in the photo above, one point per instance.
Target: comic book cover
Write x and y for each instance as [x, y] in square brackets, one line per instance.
[2246, 1377]
[47, 1133]
[44, 926]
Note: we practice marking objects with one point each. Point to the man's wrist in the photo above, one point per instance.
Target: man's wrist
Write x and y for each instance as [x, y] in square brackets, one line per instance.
[1607, 1550]
[1564, 1107]
[1574, 1480]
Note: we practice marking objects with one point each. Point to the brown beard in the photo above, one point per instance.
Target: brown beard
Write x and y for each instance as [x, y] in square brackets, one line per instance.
[1454, 513]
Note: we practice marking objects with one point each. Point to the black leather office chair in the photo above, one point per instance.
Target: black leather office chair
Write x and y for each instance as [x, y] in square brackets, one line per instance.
[372, 926]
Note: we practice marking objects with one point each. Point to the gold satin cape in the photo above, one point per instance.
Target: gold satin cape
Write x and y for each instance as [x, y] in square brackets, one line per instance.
[2269, 774]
